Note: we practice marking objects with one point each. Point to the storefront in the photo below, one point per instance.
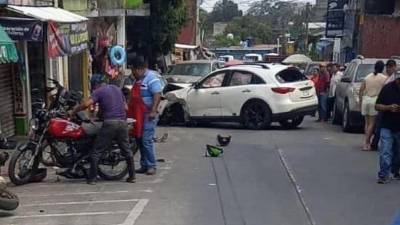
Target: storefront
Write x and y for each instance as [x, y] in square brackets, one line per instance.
[8, 58]
[51, 41]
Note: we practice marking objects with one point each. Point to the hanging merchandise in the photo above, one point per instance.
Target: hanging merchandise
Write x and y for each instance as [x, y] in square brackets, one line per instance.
[117, 55]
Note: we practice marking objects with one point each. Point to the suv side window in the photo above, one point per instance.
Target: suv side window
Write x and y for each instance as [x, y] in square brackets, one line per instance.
[240, 78]
[213, 81]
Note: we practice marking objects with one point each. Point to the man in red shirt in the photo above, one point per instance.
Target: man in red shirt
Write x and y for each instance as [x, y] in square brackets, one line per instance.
[321, 82]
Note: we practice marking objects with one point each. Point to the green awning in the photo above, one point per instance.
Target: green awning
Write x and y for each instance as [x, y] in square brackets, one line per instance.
[8, 51]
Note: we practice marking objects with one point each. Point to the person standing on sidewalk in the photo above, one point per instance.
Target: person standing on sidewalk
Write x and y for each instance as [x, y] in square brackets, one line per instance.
[143, 105]
[321, 83]
[391, 68]
[112, 106]
[335, 79]
[389, 104]
[369, 91]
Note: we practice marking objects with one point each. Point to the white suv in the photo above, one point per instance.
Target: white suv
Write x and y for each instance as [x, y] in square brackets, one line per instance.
[253, 94]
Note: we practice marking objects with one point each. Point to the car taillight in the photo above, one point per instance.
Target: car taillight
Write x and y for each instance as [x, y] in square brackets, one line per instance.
[283, 90]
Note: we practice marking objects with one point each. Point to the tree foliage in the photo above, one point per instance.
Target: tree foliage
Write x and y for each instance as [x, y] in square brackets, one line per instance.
[224, 11]
[169, 17]
[223, 41]
[250, 27]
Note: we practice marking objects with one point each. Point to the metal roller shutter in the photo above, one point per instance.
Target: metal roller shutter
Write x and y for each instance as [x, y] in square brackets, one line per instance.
[7, 123]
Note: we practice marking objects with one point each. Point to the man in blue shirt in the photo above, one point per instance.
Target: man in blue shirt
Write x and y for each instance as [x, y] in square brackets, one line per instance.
[143, 105]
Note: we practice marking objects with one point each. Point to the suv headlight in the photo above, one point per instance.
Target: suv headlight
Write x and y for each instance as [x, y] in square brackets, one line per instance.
[170, 96]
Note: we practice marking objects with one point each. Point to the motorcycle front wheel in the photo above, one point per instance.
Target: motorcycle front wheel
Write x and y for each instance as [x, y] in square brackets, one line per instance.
[8, 200]
[19, 170]
[112, 165]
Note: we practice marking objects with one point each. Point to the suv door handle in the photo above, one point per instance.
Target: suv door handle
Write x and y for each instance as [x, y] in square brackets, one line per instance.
[246, 91]
[215, 93]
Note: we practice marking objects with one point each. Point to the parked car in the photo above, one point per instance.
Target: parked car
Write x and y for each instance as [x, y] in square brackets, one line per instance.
[346, 109]
[252, 57]
[191, 71]
[255, 95]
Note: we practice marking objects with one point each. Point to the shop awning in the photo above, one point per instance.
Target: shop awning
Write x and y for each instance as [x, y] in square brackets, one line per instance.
[8, 52]
[45, 14]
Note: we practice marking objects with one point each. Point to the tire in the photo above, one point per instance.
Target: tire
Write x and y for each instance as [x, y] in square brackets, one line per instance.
[292, 123]
[112, 159]
[173, 115]
[256, 115]
[346, 127]
[28, 173]
[8, 200]
[336, 116]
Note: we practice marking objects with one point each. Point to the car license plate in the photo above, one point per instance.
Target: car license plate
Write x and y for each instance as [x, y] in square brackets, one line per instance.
[306, 93]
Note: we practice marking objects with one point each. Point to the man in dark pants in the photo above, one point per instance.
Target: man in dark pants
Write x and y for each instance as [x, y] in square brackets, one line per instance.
[115, 128]
[388, 104]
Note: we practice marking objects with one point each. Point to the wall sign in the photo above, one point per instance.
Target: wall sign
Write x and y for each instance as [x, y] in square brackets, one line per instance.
[67, 39]
[20, 29]
[335, 18]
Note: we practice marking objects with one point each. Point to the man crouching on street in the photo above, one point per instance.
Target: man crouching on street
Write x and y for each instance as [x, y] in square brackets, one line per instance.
[113, 107]
[389, 104]
[143, 105]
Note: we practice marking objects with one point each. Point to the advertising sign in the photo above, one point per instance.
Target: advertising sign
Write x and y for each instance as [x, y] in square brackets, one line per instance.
[335, 18]
[67, 39]
[22, 29]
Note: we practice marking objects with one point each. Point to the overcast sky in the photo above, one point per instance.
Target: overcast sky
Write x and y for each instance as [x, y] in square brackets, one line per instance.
[243, 4]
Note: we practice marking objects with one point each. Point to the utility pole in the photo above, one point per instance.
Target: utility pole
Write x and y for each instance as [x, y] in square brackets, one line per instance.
[307, 30]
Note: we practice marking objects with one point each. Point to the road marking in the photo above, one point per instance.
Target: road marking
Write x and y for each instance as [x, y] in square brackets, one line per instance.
[296, 186]
[72, 214]
[80, 203]
[77, 193]
[136, 212]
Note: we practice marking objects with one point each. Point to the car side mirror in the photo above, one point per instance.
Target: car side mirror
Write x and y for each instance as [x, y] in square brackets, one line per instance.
[345, 80]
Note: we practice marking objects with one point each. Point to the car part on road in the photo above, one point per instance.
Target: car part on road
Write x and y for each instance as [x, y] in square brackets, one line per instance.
[256, 115]
[224, 140]
[213, 151]
[8, 200]
[292, 123]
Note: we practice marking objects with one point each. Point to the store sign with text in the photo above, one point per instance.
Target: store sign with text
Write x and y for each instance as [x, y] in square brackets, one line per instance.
[335, 18]
[66, 39]
[22, 29]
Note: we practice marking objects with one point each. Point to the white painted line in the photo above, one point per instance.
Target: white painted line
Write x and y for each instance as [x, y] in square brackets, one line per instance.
[80, 203]
[71, 214]
[77, 193]
[135, 213]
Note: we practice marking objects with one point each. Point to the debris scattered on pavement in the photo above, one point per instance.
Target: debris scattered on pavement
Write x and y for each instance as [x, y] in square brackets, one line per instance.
[224, 140]
[161, 139]
[161, 160]
[213, 151]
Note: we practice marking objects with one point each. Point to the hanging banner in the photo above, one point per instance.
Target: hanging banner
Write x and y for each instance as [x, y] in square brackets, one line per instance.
[20, 29]
[335, 18]
[66, 39]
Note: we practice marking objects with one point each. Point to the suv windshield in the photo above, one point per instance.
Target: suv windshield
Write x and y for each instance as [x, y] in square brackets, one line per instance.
[191, 69]
[363, 70]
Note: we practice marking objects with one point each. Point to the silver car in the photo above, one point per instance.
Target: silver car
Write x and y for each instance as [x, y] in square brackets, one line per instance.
[191, 71]
[347, 110]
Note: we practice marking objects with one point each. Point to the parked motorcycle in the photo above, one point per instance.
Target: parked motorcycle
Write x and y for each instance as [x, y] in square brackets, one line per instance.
[8, 200]
[69, 142]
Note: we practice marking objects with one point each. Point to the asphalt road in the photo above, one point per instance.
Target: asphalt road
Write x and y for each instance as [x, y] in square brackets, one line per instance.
[315, 175]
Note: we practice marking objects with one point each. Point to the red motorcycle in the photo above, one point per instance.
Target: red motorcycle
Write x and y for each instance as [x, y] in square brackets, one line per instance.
[55, 140]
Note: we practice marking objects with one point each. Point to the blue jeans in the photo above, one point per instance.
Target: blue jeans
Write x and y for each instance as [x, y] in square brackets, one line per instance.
[387, 151]
[323, 106]
[146, 145]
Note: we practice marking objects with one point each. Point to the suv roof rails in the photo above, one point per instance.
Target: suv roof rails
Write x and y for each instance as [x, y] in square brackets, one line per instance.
[254, 64]
[360, 57]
